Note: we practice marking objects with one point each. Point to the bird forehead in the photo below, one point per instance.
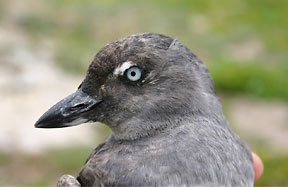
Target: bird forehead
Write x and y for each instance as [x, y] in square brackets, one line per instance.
[123, 67]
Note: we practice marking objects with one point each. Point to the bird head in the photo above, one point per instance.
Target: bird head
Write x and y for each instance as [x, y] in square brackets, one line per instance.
[138, 85]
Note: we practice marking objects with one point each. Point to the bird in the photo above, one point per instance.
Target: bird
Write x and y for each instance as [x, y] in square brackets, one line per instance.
[168, 126]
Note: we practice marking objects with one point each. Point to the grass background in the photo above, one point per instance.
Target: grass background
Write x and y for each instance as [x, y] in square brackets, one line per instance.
[243, 43]
[209, 28]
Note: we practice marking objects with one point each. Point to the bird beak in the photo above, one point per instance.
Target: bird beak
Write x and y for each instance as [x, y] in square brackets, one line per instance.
[68, 112]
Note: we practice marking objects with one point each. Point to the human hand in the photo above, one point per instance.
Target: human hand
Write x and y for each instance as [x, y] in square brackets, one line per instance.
[258, 166]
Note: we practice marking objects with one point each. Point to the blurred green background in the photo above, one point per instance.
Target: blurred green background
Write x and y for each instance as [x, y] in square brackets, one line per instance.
[243, 43]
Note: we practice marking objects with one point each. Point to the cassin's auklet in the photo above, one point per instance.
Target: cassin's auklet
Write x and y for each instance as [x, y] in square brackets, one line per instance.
[168, 128]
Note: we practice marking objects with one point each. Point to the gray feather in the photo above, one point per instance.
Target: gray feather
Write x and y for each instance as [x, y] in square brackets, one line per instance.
[168, 129]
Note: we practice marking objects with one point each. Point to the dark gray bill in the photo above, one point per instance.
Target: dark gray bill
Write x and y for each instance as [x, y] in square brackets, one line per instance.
[68, 112]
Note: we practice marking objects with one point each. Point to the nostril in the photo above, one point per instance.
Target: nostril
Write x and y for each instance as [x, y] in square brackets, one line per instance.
[73, 109]
[80, 105]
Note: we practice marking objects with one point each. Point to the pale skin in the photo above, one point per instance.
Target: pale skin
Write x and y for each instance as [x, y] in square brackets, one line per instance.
[258, 166]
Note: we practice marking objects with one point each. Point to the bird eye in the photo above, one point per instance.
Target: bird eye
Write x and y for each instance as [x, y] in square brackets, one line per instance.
[134, 73]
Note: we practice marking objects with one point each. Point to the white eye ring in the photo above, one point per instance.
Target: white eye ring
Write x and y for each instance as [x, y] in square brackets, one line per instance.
[134, 73]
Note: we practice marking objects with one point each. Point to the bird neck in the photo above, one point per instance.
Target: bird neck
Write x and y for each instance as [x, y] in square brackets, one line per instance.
[138, 129]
